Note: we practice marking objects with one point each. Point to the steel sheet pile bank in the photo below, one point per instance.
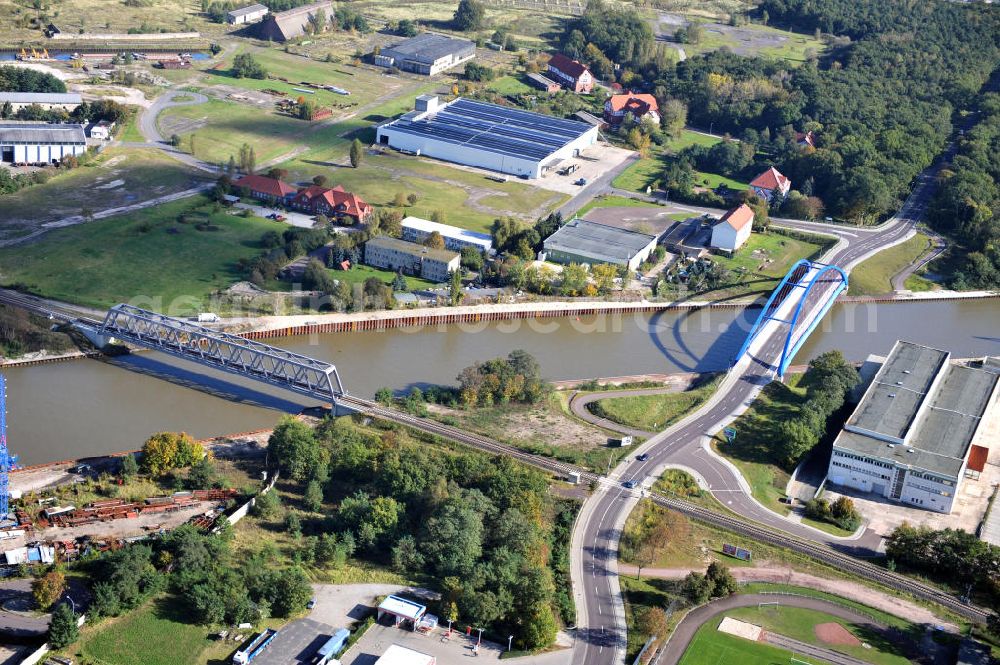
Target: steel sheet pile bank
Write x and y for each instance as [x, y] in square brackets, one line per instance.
[489, 136]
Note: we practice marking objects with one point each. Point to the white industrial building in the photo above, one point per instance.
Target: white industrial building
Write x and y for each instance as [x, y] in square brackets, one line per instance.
[249, 14]
[417, 230]
[39, 142]
[919, 430]
[397, 655]
[589, 243]
[67, 101]
[489, 136]
[427, 53]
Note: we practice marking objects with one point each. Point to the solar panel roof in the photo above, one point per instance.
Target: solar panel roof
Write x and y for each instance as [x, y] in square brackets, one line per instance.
[494, 128]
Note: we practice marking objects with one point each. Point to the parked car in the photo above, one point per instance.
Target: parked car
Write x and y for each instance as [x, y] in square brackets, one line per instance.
[642, 458]
[311, 604]
[581, 182]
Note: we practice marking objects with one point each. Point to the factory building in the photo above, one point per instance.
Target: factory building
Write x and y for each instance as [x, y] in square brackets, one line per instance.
[489, 136]
[427, 53]
[580, 241]
[918, 432]
[67, 101]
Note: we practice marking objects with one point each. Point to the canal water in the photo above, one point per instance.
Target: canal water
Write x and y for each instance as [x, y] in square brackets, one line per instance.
[87, 407]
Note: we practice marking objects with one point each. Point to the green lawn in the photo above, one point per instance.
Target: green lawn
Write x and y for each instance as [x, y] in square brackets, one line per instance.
[155, 634]
[792, 47]
[710, 647]
[799, 624]
[509, 85]
[358, 274]
[653, 412]
[144, 256]
[688, 138]
[649, 170]
[764, 260]
[713, 180]
[614, 202]
[130, 132]
[752, 451]
[874, 276]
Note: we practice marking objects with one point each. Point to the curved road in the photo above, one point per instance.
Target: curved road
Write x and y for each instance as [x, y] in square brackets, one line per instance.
[149, 130]
[578, 405]
[600, 611]
[696, 618]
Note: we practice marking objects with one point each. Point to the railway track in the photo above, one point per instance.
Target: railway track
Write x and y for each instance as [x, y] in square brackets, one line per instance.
[753, 530]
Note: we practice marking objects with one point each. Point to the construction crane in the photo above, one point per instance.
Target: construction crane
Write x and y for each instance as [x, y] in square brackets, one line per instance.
[7, 461]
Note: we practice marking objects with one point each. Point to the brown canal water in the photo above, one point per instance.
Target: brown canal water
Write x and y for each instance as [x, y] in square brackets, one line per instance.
[81, 408]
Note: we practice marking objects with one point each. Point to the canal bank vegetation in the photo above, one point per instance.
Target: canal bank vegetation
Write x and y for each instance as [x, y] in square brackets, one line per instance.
[656, 412]
[874, 276]
[785, 423]
[23, 333]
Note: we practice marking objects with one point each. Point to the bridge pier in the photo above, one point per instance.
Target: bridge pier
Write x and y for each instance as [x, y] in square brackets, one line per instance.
[95, 337]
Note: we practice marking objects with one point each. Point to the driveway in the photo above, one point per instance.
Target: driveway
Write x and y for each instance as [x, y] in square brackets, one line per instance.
[339, 605]
[293, 218]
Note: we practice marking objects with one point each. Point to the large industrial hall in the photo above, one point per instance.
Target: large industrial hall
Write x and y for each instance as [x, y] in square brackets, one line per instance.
[489, 136]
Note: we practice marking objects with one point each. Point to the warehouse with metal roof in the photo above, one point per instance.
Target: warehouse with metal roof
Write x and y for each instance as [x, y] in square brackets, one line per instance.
[68, 101]
[918, 431]
[39, 142]
[427, 53]
[489, 136]
[580, 241]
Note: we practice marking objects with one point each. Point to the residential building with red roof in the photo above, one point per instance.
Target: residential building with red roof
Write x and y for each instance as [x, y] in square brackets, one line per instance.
[639, 105]
[571, 73]
[332, 202]
[733, 229]
[804, 139]
[769, 183]
[267, 189]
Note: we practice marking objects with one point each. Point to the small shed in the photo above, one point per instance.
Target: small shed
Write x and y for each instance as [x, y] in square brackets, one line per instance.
[401, 611]
[544, 83]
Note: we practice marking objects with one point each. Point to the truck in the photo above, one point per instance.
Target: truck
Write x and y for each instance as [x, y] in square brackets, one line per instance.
[333, 646]
[208, 317]
[255, 648]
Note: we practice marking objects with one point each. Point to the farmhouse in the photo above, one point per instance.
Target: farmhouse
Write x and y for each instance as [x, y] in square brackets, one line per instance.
[435, 265]
[249, 14]
[733, 229]
[267, 189]
[427, 53]
[39, 142]
[487, 135]
[282, 26]
[332, 202]
[769, 184]
[919, 430]
[455, 239]
[67, 101]
[638, 105]
[580, 241]
[571, 73]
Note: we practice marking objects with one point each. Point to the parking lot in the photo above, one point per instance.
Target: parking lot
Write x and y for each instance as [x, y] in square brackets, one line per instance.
[449, 651]
[297, 642]
[293, 218]
[592, 163]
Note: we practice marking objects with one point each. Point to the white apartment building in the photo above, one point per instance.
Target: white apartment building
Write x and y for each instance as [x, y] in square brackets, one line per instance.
[435, 265]
[455, 239]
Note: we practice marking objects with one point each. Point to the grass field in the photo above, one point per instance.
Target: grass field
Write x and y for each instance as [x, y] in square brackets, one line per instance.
[766, 257]
[358, 274]
[799, 624]
[138, 256]
[509, 85]
[612, 201]
[713, 180]
[773, 43]
[710, 647]
[653, 412]
[874, 276]
[117, 177]
[142, 636]
[648, 170]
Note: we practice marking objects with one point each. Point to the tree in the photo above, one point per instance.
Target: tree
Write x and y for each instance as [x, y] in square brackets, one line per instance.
[291, 592]
[63, 630]
[202, 474]
[130, 467]
[697, 588]
[191, 144]
[412, 198]
[434, 240]
[673, 116]
[168, 450]
[455, 292]
[246, 66]
[267, 505]
[406, 558]
[47, 589]
[472, 258]
[399, 284]
[357, 153]
[469, 16]
[384, 396]
[312, 498]
[439, 217]
[407, 28]
[723, 582]
[293, 448]
[320, 180]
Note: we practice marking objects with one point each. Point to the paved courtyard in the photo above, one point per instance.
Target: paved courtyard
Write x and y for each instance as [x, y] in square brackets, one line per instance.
[297, 642]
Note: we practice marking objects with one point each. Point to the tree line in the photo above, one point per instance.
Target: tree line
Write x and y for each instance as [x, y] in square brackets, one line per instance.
[966, 205]
[482, 528]
[22, 79]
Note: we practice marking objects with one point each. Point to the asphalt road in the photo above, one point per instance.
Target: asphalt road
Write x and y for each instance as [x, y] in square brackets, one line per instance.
[601, 625]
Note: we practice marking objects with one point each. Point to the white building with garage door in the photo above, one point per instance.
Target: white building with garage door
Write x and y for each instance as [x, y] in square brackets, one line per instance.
[39, 142]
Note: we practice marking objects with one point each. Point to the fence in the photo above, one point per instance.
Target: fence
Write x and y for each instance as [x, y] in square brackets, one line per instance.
[242, 511]
[39, 653]
[848, 606]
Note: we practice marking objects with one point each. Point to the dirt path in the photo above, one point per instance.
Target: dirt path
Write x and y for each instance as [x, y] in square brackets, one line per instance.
[844, 588]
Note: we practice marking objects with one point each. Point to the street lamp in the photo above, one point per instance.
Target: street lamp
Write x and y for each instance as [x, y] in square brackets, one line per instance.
[480, 640]
[510, 641]
[449, 627]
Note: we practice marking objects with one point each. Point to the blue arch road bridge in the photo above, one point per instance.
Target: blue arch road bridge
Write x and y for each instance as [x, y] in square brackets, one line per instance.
[800, 301]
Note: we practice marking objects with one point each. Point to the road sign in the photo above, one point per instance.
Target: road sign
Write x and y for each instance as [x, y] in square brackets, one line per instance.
[730, 434]
[737, 552]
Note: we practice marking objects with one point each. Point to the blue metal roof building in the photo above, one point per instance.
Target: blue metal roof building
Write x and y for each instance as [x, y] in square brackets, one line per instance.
[489, 136]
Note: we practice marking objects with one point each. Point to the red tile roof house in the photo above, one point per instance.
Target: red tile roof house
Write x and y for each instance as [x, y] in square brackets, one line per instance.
[805, 139]
[573, 75]
[267, 189]
[639, 105]
[730, 232]
[333, 202]
[770, 182]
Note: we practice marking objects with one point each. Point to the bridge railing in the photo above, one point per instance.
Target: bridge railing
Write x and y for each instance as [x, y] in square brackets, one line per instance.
[230, 353]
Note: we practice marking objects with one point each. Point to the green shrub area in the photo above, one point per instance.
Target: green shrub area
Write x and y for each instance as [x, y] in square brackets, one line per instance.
[874, 276]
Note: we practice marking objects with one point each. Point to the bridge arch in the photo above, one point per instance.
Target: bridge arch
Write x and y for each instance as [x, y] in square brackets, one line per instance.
[804, 275]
